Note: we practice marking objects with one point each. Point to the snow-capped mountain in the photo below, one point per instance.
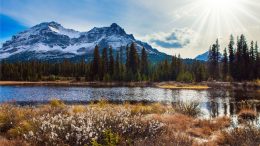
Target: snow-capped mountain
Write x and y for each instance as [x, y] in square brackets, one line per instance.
[202, 57]
[205, 56]
[51, 41]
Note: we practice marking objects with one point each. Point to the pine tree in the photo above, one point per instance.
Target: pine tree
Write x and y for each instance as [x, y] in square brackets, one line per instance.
[174, 67]
[179, 66]
[251, 60]
[238, 60]
[199, 71]
[127, 58]
[225, 64]
[245, 70]
[117, 67]
[133, 59]
[257, 62]
[111, 62]
[104, 62]
[144, 63]
[121, 54]
[231, 57]
[251, 52]
[96, 64]
[166, 70]
[214, 60]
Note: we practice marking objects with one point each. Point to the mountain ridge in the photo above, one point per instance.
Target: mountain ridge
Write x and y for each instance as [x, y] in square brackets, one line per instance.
[51, 41]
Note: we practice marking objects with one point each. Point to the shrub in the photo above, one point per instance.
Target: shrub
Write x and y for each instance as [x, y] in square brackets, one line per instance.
[102, 103]
[52, 78]
[247, 114]
[9, 117]
[20, 129]
[167, 139]
[56, 103]
[108, 138]
[154, 108]
[185, 77]
[78, 109]
[107, 78]
[245, 136]
[6, 142]
[188, 108]
[85, 128]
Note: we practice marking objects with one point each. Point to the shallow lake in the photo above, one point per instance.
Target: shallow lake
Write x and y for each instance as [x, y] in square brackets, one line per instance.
[213, 102]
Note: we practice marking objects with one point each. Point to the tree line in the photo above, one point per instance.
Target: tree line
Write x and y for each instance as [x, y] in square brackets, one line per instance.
[126, 64]
[239, 62]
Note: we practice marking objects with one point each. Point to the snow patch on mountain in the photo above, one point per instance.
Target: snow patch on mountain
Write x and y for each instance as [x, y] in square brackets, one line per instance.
[67, 32]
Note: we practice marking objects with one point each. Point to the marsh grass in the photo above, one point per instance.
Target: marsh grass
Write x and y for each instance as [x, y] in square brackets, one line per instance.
[206, 128]
[16, 142]
[246, 112]
[243, 136]
[103, 123]
[247, 115]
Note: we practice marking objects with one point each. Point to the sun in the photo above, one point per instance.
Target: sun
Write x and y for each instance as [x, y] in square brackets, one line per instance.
[212, 19]
[219, 4]
[222, 6]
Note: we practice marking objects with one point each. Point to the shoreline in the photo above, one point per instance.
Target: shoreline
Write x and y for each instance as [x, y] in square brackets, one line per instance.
[164, 85]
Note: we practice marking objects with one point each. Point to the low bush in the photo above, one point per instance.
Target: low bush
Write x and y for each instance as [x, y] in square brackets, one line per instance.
[6, 142]
[185, 77]
[244, 136]
[56, 103]
[247, 115]
[154, 108]
[108, 138]
[9, 117]
[187, 108]
[84, 128]
[167, 139]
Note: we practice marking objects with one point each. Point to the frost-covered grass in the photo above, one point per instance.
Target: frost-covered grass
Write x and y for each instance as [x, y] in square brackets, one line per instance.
[104, 123]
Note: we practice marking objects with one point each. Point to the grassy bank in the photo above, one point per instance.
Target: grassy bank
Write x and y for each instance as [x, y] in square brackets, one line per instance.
[104, 123]
[166, 85]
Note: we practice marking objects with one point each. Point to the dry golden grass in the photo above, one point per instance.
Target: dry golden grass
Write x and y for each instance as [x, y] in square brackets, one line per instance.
[215, 124]
[247, 114]
[154, 108]
[192, 127]
[192, 87]
[206, 128]
[243, 136]
[34, 83]
[257, 82]
[6, 142]
[78, 109]
[176, 122]
[180, 129]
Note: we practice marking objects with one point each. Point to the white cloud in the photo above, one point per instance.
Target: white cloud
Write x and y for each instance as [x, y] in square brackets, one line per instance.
[177, 41]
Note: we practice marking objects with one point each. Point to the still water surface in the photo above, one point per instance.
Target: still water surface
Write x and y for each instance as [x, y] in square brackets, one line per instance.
[213, 102]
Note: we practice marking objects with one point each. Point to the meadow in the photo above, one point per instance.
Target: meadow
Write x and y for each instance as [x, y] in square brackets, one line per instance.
[103, 123]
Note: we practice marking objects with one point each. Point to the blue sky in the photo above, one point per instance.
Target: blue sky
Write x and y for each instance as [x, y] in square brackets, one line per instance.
[187, 27]
[9, 27]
